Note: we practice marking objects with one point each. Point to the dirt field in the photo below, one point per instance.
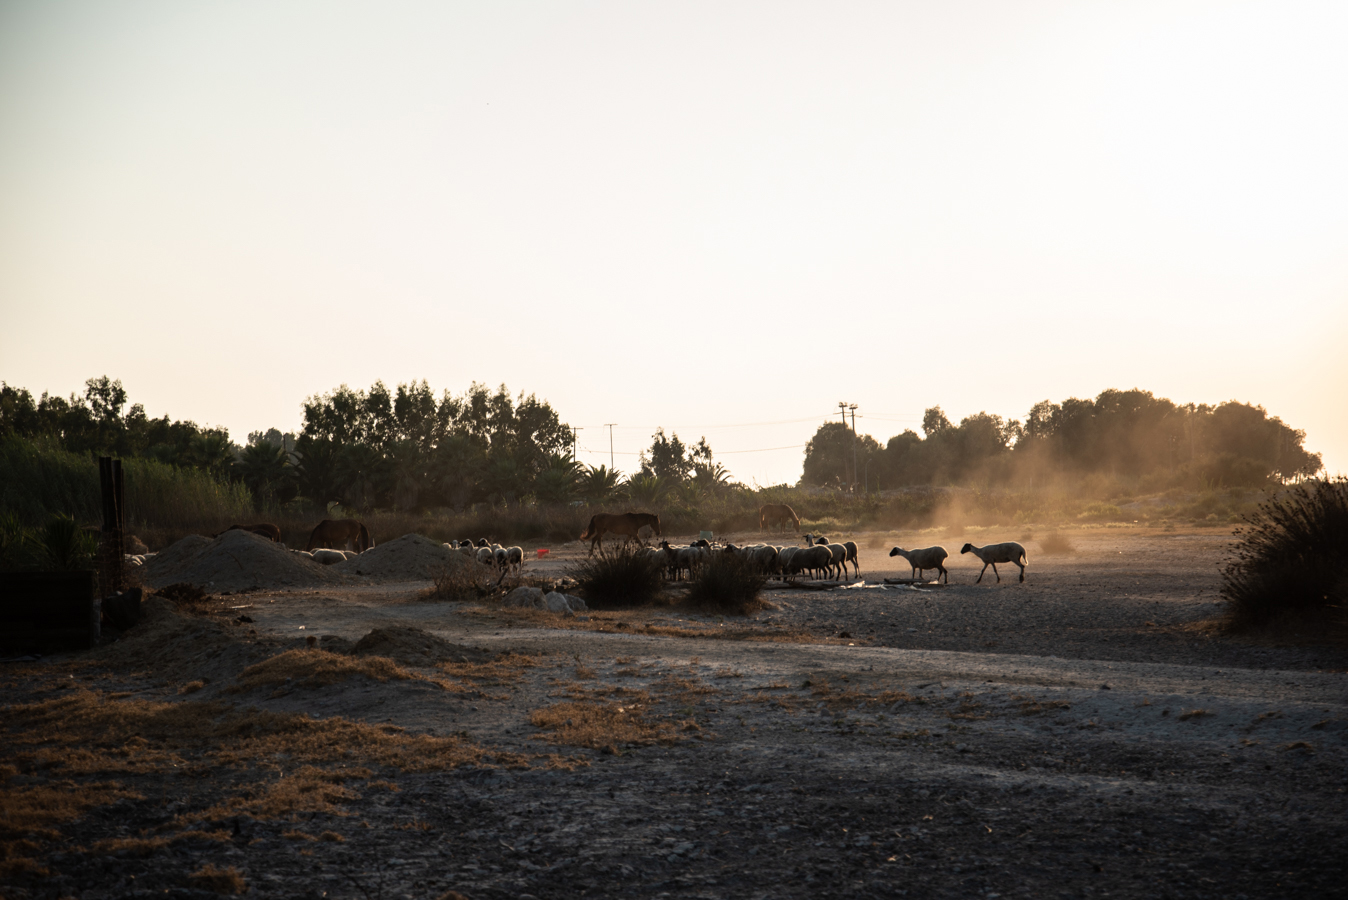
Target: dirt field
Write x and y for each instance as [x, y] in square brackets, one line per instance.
[1075, 735]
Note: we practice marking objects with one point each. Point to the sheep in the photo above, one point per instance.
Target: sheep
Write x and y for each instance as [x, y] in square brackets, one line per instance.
[515, 558]
[814, 559]
[848, 553]
[486, 556]
[926, 558]
[1008, 552]
[839, 556]
[852, 554]
[784, 556]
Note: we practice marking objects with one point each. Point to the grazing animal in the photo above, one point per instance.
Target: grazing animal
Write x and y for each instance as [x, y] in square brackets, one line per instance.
[486, 556]
[340, 534]
[1008, 552]
[265, 529]
[839, 556]
[627, 524]
[777, 514]
[924, 559]
[815, 559]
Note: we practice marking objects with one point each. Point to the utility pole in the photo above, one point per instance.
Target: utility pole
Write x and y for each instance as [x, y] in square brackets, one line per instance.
[609, 426]
[574, 431]
[842, 410]
[853, 408]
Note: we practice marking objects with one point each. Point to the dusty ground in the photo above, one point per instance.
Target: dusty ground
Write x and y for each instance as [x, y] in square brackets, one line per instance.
[1076, 735]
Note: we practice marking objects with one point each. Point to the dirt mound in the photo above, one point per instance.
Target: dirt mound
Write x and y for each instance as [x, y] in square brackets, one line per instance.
[185, 648]
[409, 558]
[235, 561]
[414, 647]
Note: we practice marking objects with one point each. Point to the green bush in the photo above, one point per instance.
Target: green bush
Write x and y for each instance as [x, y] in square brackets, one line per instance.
[1292, 557]
[728, 584]
[619, 578]
[63, 546]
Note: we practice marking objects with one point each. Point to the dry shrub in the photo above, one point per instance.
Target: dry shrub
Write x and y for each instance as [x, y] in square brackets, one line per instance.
[1056, 544]
[316, 668]
[188, 598]
[601, 726]
[472, 582]
[1290, 561]
[728, 584]
[218, 881]
[619, 578]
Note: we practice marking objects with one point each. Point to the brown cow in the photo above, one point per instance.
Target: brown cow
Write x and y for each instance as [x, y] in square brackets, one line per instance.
[777, 514]
[340, 534]
[265, 529]
[627, 524]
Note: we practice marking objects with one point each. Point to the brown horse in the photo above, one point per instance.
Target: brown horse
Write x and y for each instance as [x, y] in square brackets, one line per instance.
[340, 534]
[777, 514]
[265, 529]
[627, 524]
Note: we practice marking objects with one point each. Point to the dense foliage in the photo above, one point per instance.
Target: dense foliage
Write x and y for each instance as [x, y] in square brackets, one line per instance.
[1122, 434]
[619, 577]
[1292, 557]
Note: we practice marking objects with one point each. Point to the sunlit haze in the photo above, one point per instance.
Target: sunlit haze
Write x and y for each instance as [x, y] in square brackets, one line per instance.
[719, 218]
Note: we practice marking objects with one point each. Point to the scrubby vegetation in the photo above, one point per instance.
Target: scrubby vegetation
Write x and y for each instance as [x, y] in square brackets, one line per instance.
[727, 584]
[59, 545]
[621, 577]
[1291, 561]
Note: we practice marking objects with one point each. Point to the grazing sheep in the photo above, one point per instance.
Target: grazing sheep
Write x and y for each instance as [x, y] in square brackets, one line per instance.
[839, 557]
[1008, 552]
[924, 559]
[486, 556]
[784, 556]
[814, 559]
[515, 558]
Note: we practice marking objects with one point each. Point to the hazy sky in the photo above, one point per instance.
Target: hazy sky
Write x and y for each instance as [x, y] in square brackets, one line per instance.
[722, 218]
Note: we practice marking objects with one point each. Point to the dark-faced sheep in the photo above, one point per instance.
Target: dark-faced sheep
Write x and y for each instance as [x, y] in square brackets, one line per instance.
[924, 559]
[1008, 552]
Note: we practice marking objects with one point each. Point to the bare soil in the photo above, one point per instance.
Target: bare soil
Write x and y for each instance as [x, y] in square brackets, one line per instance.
[1084, 733]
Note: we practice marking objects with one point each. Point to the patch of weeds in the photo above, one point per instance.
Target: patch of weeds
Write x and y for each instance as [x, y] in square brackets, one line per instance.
[316, 668]
[460, 583]
[619, 578]
[1290, 560]
[605, 726]
[218, 881]
[729, 584]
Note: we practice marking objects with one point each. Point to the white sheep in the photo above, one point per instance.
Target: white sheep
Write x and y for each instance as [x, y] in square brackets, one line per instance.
[926, 558]
[815, 558]
[515, 558]
[1008, 552]
[839, 553]
[486, 556]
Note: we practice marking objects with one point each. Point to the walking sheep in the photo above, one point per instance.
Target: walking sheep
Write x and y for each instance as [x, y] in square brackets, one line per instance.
[1008, 552]
[924, 559]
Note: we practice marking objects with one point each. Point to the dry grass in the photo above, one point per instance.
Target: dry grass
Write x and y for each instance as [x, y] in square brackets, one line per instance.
[605, 726]
[1193, 714]
[218, 881]
[643, 622]
[1032, 706]
[317, 668]
[853, 696]
[84, 734]
[508, 668]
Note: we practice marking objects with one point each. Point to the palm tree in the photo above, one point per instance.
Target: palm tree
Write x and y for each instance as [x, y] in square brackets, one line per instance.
[648, 490]
[600, 483]
[265, 470]
[556, 483]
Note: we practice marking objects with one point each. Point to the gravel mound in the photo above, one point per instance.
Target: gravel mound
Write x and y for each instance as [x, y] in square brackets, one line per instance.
[414, 647]
[235, 561]
[189, 648]
[408, 558]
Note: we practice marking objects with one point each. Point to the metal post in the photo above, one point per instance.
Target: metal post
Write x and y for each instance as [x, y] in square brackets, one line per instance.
[853, 408]
[609, 426]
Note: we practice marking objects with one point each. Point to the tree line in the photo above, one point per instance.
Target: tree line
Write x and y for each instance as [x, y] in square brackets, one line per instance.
[1129, 435]
[403, 448]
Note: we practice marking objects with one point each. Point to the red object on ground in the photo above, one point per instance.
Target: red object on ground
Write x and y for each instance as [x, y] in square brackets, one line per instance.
[542, 552]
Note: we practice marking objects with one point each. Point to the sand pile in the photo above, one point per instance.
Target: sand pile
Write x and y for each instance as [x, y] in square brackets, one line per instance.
[235, 561]
[409, 558]
[185, 648]
[414, 647]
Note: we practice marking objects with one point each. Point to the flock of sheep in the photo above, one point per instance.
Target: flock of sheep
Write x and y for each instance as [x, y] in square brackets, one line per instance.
[502, 559]
[820, 558]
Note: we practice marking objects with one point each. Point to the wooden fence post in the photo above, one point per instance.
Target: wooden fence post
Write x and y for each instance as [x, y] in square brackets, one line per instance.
[114, 522]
